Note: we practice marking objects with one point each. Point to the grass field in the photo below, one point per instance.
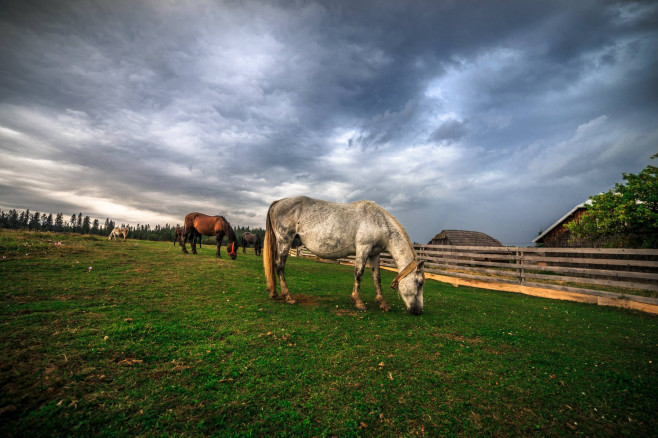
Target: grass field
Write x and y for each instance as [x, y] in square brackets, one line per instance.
[150, 341]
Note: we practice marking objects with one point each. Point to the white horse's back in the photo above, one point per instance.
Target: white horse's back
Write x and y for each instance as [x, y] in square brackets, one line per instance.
[333, 230]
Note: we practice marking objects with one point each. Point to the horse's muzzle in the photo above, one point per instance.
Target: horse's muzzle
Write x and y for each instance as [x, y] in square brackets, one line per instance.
[415, 309]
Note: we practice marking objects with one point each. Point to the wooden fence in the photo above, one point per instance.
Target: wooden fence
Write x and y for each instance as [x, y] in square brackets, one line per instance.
[621, 277]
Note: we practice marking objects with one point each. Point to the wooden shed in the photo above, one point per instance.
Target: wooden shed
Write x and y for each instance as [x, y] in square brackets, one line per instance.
[557, 235]
[463, 238]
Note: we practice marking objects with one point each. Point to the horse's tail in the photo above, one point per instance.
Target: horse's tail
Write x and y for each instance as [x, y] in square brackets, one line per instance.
[270, 253]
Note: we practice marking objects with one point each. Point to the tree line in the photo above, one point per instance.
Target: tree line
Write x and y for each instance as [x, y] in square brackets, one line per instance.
[80, 224]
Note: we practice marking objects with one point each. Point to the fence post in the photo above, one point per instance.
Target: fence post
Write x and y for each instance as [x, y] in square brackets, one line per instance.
[520, 265]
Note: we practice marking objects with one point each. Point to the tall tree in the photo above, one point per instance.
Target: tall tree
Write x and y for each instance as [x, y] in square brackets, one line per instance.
[13, 220]
[25, 218]
[35, 221]
[48, 223]
[626, 216]
[86, 225]
[59, 222]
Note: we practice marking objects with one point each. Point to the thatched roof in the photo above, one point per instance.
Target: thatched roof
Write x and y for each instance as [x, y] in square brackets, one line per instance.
[464, 238]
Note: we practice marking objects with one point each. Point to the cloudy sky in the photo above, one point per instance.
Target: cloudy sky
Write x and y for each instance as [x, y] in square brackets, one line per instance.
[490, 116]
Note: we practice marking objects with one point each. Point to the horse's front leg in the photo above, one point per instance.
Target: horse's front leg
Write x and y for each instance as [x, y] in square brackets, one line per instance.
[220, 238]
[359, 267]
[373, 261]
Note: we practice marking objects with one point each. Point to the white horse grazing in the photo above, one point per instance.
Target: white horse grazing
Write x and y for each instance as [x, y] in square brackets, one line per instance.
[332, 230]
[116, 232]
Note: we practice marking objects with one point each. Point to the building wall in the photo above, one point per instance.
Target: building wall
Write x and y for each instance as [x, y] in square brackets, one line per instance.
[559, 236]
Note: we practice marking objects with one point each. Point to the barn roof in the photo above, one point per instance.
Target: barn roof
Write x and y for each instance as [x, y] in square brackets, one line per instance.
[539, 238]
[466, 238]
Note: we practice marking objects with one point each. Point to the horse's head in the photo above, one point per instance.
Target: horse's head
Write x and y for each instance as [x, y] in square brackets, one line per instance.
[232, 240]
[410, 287]
[232, 249]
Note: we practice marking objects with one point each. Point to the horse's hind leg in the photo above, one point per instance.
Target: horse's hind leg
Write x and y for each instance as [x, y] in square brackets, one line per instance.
[359, 267]
[284, 247]
[183, 241]
[193, 240]
[373, 261]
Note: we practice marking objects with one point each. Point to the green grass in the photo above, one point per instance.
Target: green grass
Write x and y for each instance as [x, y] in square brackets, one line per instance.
[155, 342]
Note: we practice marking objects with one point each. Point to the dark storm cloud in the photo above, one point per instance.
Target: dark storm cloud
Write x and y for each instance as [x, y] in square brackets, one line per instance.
[450, 130]
[479, 115]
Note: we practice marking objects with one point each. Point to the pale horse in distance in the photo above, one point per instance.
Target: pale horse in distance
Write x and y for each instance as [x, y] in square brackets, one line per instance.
[116, 232]
[333, 230]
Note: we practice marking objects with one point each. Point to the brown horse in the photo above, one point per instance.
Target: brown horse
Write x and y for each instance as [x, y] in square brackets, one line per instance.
[178, 236]
[201, 224]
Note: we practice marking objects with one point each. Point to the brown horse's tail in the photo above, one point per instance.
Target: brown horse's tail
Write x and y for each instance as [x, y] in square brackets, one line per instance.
[270, 253]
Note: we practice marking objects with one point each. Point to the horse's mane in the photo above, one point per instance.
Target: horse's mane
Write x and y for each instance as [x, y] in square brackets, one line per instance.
[230, 233]
[401, 229]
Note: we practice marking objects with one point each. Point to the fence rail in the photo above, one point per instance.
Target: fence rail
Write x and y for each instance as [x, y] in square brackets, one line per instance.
[595, 271]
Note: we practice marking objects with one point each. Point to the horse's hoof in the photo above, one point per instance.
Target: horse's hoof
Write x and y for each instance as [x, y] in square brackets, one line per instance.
[291, 300]
[361, 307]
[385, 307]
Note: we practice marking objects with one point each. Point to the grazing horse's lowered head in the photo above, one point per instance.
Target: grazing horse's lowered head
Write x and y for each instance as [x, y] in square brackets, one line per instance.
[409, 284]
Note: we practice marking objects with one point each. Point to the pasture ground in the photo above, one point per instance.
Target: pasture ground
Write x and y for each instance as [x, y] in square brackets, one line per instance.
[154, 342]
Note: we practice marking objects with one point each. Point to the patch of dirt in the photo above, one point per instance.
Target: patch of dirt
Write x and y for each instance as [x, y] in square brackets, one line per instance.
[9, 408]
[306, 300]
[129, 361]
[458, 338]
[345, 312]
